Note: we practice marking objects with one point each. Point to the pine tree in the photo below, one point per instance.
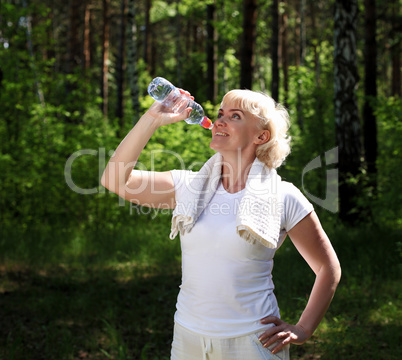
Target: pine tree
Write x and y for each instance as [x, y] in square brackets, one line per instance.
[346, 109]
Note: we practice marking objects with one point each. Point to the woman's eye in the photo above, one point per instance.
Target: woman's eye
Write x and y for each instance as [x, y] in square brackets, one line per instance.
[219, 115]
[236, 116]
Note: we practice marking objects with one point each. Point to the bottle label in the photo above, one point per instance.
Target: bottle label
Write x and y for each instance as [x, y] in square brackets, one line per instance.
[206, 123]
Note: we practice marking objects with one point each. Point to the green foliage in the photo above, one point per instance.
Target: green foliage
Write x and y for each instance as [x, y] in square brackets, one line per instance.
[69, 247]
[161, 10]
[389, 113]
[312, 129]
[38, 141]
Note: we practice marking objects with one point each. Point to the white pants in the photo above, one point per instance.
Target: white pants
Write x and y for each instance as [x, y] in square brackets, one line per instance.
[188, 345]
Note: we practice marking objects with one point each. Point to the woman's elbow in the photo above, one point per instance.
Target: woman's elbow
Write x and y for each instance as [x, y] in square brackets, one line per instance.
[332, 272]
[336, 273]
[104, 181]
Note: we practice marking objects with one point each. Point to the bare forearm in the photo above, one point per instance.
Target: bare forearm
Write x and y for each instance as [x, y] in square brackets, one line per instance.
[320, 298]
[127, 153]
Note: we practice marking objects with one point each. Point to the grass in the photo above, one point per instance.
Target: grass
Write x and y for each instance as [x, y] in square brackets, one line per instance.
[76, 296]
[67, 314]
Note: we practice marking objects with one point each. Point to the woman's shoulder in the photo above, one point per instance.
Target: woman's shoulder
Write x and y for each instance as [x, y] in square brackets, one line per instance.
[289, 191]
[181, 177]
[295, 205]
[291, 194]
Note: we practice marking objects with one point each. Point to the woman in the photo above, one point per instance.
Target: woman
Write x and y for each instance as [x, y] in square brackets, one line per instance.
[232, 216]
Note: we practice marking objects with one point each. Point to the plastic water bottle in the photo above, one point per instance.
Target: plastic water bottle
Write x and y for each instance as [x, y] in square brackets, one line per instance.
[166, 93]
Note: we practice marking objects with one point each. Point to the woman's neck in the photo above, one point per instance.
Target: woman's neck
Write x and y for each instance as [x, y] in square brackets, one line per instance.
[235, 172]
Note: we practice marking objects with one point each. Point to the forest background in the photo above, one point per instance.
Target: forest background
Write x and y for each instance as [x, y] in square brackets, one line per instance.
[86, 275]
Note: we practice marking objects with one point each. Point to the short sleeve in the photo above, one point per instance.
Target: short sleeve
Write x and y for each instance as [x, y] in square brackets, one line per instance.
[296, 206]
[180, 180]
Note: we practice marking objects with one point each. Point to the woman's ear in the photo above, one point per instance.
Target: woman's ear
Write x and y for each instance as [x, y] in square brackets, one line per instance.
[263, 137]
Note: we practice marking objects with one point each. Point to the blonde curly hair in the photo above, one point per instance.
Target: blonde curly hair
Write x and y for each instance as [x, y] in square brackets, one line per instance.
[273, 117]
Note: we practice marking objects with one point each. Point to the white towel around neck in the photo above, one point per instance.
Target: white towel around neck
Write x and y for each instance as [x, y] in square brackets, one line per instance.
[259, 215]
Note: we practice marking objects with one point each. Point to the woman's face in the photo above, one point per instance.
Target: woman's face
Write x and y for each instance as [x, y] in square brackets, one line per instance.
[237, 130]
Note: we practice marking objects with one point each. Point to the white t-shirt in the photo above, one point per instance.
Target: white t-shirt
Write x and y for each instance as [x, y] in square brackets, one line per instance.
[227, 285]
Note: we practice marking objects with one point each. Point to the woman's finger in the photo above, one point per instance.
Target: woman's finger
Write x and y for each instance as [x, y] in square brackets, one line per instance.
[280, 345]
[271, 320]
[269, 337]
[272, 330]
[180, 116]
[185, 92]
[269, 333]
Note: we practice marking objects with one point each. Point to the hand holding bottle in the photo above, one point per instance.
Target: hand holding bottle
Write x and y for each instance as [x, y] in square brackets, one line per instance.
[164, 115]
[178, 101]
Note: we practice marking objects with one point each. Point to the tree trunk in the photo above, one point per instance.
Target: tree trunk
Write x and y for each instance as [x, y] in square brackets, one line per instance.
[222, 47]
[73, 55]
[274, 50]
[370, 91]
[297, 35]
[120, 68]
[154, 52]
[50, 36]
[346, 109]
[132, 70]
[105, 57]
[248, 44]
[395, 50]
[38, 87]
[316, 45]
[179, 81]
[321, 96]
[302, 33]
[212, 54]
[74, 44]
[87, 37]
[284, 54]
[147, 35]
[302, 45]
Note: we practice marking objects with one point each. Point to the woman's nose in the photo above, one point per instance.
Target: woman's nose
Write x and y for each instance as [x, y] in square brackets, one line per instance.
[220, 121]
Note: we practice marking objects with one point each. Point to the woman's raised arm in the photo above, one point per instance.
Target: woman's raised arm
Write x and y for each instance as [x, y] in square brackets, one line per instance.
[147, 188]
